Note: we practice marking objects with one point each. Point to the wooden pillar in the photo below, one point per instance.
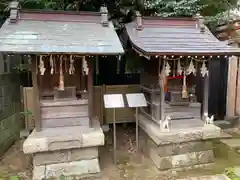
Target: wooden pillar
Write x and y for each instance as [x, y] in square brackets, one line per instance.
[237, 105]
[162, 98]
[232, 84]
[36, 100]
[205, 95]
[90, 89]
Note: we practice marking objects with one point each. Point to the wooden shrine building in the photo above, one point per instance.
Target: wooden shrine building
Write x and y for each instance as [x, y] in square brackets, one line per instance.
[62, 47]
[230, 33]
[177, 55]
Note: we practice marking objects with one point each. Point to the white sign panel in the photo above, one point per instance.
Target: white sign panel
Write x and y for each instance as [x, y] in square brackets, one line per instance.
[113, 101]
[136, 100]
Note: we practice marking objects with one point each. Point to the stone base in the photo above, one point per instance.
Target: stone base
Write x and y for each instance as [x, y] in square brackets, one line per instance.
[214, 177]
[67, 151]
[67, 169]
[179, 148]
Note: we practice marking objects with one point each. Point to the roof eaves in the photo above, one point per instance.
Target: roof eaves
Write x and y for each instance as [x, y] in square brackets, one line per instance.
[40, 11]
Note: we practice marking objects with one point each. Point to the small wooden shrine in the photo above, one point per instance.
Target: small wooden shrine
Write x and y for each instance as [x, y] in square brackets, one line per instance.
[176, 52]
[61, 47]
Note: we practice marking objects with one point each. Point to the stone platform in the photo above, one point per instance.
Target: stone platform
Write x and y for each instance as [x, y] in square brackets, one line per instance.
[214, 177]
[67, 151]
[188, 144]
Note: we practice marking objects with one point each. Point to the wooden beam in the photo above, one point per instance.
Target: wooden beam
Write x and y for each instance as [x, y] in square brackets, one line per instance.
[37, 112]
[90, 89]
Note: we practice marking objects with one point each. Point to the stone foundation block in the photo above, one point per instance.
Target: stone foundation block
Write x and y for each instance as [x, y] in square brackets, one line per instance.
[181, 160]
[60, 138]
[67, 169]
[53, 157]
[177, 155]
[186, 133]
[180, 148]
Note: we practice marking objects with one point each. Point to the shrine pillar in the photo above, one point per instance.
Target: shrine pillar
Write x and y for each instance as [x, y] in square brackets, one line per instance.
[233, 89]
[36, 98]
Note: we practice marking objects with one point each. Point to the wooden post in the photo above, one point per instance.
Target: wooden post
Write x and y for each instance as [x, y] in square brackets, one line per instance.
[162, 98]
[205, 95]
[90, 89]
[37, 113]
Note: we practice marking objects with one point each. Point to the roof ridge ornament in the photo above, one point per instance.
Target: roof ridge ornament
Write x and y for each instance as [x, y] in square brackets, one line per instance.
[104, 16]
[139, 21]
[13, 6]
[200, 22]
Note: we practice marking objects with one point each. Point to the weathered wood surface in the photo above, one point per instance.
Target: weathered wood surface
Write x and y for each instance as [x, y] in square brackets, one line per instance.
[64, 113]
[232, 85]
[36, 98]
[122, 114]
[29, 107]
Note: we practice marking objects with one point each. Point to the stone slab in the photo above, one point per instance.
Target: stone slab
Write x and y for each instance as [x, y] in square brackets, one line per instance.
[60, 138]
[232, 143]
[180, 148]
[63, 122]
[76, 168]
[181, 131]
[224, 135]
[53, 157]
[181, 160]
[214, 177]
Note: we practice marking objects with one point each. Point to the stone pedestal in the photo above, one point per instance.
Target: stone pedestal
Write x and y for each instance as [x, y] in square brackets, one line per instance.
[67, 151]
[186, 145]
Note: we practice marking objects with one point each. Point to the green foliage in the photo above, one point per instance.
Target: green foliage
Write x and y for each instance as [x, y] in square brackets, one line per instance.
[14, 178]
[27, 113]
[21, 67]
[229, 172]
[216, 12]
[122, 11]
[167, 8]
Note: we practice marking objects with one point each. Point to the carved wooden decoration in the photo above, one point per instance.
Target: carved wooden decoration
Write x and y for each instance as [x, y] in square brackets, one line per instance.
[42, 69]
[167, 69]
[191, 69]
[204, 70]
[85, 66]
[51, 64]
[179, 68]
[165, 124]
[61, 78]
[184, 87]
[71, 68]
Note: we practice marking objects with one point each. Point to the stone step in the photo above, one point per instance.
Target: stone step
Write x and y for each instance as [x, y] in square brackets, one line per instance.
[62, 122]
[49, 107]
[213, 177]
[61, 115]
[45, 110]
[224, 135]
[232, 143]
[52, 103]
[223, 124]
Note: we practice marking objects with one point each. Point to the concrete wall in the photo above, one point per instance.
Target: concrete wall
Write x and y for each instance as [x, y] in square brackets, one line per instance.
[10, 104]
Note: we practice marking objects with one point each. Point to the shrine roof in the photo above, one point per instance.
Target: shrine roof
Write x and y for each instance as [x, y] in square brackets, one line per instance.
[39, 31]
[175, 36]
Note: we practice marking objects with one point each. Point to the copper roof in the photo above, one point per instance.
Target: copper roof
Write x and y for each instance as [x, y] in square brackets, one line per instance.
[175, 36]
[59, 32]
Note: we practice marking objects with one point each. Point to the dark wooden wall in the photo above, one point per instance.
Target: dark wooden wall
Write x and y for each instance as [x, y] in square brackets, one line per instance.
[218, 76]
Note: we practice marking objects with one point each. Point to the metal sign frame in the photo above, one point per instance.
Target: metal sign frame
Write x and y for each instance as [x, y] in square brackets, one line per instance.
[113, 101]
[136, 100]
